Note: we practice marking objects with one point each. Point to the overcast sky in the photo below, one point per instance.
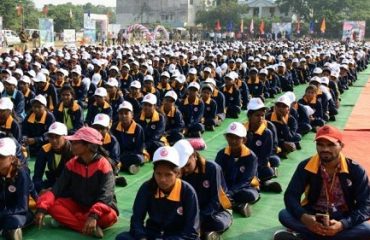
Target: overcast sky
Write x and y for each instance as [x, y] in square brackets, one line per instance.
[108, 3]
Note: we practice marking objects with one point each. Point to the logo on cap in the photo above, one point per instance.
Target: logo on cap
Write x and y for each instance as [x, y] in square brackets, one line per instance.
[206, 184]
[100, 117]
[163, 152]
[54, 126]
[2, 144]
[180, 211]
[233, 127]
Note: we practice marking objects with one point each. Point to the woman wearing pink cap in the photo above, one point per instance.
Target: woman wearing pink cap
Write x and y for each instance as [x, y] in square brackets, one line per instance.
[83, 197]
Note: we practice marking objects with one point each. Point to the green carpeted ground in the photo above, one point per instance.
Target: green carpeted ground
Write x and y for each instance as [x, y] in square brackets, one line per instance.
[263, 222]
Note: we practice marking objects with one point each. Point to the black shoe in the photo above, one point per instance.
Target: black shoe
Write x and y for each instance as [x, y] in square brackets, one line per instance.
[121, 181]
[133, 169]
[15, 234]
[271, 186]
[197, 134]
[211, 236]
[244, 209]
[332, 118]
[210, 128]
[286, 235]
[298, 146]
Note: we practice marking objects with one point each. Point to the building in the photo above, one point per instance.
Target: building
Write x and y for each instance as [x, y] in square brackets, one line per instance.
[174, 13]
[264, 9]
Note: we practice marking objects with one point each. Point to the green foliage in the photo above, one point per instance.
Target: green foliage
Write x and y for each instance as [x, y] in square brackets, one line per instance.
[227, 11]
[334, 11]
[60, 14]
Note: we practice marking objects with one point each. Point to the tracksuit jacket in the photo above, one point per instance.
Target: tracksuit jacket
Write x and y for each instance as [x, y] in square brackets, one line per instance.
[175, 216]
[307, 180]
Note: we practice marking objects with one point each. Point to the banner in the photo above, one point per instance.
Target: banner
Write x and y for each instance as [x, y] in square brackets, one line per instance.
[89, 29]
[354, 30]
[69, 36]
[283, 29]
[46, 26]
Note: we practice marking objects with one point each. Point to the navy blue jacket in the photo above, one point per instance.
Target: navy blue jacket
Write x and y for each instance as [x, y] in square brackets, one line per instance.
[232, 97]
[210, 110]
[307, 180]
[18, 102]
[75, 113]
[174, 120]
[175, 216]
[12, 129]
[238, 173]
[46, 158]
[219, 97]
[261, 143]
[14, 193]
[130, 141]
[286, 131]
[33, 129]
[192, 113]
[50, 93]
[209, 183]
[94, 110]
[111, 144]
[154, 129]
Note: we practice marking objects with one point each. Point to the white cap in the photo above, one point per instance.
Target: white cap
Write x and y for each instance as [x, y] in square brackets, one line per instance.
[193, 71]
[114, 68]
[25, 79]
[126, 66]
[315, 79]
[45, 71]
[185, 150]
[255, 104]
[168, 154]
[1, 87]
[6, 104]
[52, 61]
[41, 99]
[291, 96]
[102, 120]
[264, 71]
[172, 94]
[237, 129]
[165, 74]
[207, 69]
[112, 82]
[150, 98]
[58, 128]
[95, 79]
[96, 62]
[126, 105]
[325, 80]
[285, 100]
[149, 78]
[37, 64]
[19, 71]
[76, 70]
[317, 70]
[209, 86]
[102, 92]
[40, 77]
[135, 84]
[12, 81]
[65, 72]
[180, 79]
[281, 64]
[310, 111]
[302, 60]
[210, 81]
[7, 147]
[194, 85]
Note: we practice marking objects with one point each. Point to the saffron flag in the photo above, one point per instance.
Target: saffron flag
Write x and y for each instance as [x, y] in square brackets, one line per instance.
[242, 26]
[323, 26]
[218, 25]
[19, 9]
[251, 27]
[70, 13]
[262, 27]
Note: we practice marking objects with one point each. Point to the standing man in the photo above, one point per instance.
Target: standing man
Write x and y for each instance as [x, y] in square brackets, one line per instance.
[337, 195]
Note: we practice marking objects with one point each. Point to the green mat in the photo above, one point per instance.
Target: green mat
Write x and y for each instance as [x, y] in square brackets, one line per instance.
[263, 222]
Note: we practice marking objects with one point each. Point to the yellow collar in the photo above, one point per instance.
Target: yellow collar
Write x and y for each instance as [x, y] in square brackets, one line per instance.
[196, 102]
[245, 151]
[47, 147]
[261, 129]
[313, 101]
[215, 93]
[275, 119]
[27, 92]
[208, 101]
[46, 87]
[230, 91]
[171, 113]
[155, 117]
[255, 82]
[8, 123]
[74, 108]
[175, 194]
[32, 118]
[107, 139]
[106, 105]
[313, 164]
[130, 130]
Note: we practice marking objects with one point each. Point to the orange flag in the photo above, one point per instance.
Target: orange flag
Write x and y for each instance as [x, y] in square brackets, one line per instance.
[323, 26]
[262, 27]
[19, 9]
[218, 26]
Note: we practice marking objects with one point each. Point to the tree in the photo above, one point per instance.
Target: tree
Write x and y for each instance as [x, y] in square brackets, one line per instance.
[229, 11]
[334, 11]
